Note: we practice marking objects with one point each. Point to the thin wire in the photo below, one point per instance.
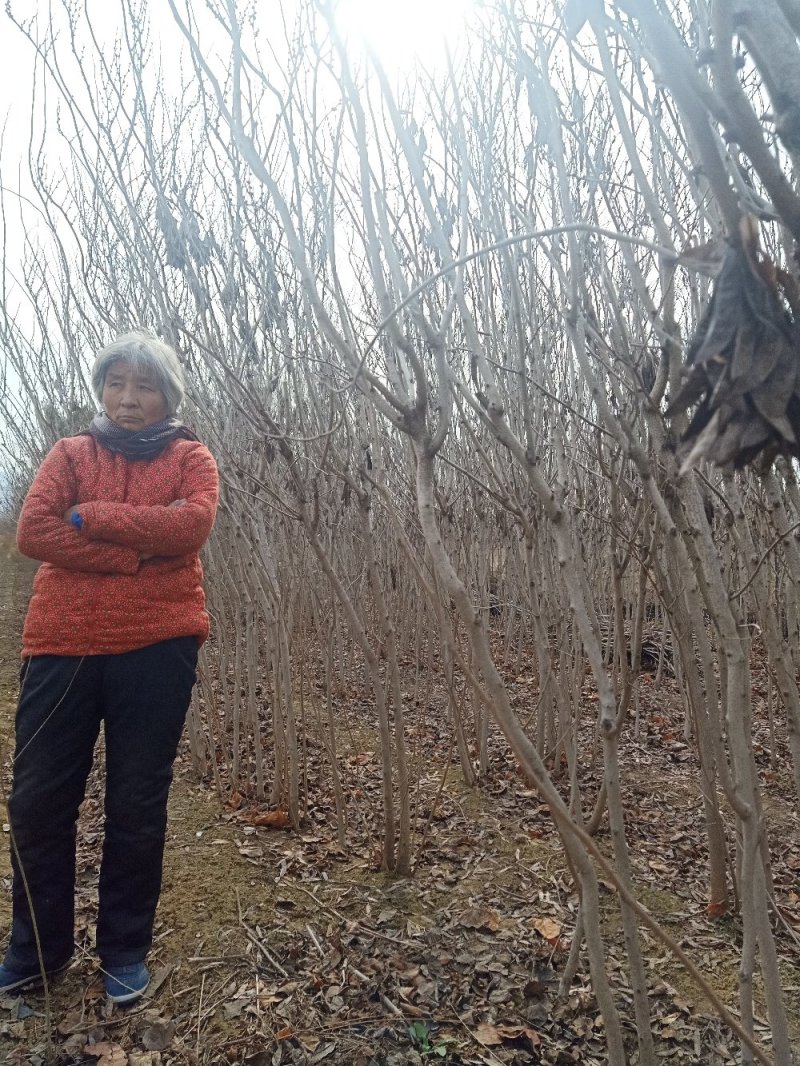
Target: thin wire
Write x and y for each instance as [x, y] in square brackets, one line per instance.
[17, 754]
[669, 254]
[21, 866]
[50, 715]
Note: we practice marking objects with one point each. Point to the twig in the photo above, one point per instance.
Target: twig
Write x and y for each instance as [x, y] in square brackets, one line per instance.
[354, 921]
[344, 1023]
[200, 1010]
[763, 559]
[668, 254]
[265, 952]
[392, 1007]
[255, 940]
[473, 1036]
[660, 933]
[313, 936]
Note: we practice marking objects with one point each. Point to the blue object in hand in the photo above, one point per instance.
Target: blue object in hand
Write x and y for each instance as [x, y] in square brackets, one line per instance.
[76, 519]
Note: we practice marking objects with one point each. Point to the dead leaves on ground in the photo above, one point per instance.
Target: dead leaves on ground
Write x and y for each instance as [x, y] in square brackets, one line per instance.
[480, 918]
[549, 929]
[494, 1035]
[242, 811]
[107, 1054]
[458, 964]
[269, 819]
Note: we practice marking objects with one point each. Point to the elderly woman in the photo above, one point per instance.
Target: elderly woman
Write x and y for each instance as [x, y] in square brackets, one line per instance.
[117, 514]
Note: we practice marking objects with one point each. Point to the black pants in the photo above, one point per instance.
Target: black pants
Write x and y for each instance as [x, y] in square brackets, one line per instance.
[142, 697]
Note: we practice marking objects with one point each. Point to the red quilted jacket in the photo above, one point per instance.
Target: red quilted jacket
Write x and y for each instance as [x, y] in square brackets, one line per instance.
[94, 594]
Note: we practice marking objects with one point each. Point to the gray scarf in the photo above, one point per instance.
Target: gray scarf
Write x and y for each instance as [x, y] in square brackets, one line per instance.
[136, 444]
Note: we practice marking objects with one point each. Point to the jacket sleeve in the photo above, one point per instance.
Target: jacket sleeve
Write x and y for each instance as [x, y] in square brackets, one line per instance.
[43, 534]
[158, 529]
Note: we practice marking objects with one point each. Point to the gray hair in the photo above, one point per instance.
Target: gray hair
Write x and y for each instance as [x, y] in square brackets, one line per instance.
[144, 352]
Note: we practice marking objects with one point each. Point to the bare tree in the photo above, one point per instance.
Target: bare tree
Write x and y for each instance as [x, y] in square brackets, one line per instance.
[432, 332]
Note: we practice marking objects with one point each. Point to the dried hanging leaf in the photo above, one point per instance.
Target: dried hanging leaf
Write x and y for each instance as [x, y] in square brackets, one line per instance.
[744, 367]
[704, 258]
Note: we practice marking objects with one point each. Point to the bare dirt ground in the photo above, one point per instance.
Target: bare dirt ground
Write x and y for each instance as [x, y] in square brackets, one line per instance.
[275, 947]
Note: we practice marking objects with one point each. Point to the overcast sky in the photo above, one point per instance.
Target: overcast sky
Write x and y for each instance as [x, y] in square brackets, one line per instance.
[400, 33]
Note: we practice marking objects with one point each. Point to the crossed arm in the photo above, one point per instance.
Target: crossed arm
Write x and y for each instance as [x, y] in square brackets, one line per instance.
[115, 537]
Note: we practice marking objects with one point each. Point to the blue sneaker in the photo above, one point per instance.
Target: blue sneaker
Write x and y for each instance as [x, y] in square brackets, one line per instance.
[126, 984]
[15, 981]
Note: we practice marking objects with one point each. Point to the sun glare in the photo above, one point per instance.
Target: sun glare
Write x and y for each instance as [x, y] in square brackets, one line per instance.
[401, 32]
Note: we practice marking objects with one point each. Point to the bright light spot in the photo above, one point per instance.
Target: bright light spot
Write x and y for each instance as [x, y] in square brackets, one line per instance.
[402, 31]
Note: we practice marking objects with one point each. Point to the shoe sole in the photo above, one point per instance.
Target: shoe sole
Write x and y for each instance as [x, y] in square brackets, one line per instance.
[130, 996]
[127, 997]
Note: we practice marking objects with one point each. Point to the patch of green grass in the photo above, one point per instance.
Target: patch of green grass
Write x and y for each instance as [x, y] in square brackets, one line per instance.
[427, 1043]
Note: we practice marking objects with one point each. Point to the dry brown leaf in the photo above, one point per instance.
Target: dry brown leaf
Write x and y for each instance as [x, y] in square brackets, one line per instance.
[158, 1036]
[705, 258]
[519, 1033]
[271, 819]
[72, 1022]
[107, 1054]
[717, 909]
[533, 1037]
[548, 928]
[285, 1034]
[324, 1051]
[488, 1034]
[480, 918]
[144, 1058]
[659, 867]
[492, 1035]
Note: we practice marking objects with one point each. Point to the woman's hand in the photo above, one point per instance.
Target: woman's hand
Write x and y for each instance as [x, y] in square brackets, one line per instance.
[67, 516]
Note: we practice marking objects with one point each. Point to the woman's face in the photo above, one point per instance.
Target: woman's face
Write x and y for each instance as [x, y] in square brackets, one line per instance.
[131, 398]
